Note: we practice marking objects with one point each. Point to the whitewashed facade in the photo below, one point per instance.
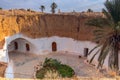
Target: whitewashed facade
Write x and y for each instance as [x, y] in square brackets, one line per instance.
[42, 46]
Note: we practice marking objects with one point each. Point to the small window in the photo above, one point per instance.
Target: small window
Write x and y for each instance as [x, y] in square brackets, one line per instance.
[27, 47]
[15, 45]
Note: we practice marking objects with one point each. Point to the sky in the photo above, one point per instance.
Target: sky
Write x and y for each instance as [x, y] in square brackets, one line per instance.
[63, 5]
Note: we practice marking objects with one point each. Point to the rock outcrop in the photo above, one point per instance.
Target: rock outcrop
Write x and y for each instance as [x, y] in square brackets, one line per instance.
[3, 67]
[46, 25]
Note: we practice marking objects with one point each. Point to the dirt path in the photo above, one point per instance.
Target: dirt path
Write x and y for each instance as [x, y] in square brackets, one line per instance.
[24, 64]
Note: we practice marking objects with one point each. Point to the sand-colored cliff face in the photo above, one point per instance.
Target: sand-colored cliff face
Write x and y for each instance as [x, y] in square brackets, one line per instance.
[46, 25]
[3, 67]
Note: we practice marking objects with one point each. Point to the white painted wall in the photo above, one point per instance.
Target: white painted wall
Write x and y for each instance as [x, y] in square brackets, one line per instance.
[4, 53]
[41, 45]
[44, 45]
[21, 46]
[3, 56]
[9, 73]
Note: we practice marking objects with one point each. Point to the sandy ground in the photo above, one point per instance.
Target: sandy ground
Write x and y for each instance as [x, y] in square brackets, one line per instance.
[24, 64]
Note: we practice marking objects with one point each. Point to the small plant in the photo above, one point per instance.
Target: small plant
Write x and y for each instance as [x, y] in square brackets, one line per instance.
[51, 63]
[66, 71]
[53, 69]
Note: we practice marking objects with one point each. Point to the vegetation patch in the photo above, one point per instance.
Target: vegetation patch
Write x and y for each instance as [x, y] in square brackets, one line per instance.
[53, 69]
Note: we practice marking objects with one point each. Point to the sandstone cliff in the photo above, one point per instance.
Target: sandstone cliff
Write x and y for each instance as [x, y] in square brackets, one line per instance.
[46, 25]
[3, 67]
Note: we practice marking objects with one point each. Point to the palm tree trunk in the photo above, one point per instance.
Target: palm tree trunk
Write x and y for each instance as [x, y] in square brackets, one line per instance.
[114, 54]
[116, 50]
[116, 60]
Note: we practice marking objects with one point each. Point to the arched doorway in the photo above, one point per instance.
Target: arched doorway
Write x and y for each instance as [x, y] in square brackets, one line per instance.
[54, 46]
[27, 47]
[20, 45]
[20, 48]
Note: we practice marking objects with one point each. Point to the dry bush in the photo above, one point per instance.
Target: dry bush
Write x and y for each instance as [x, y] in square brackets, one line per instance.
[52, 74]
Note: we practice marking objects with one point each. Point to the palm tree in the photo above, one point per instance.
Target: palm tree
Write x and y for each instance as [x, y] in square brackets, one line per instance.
[42, 7]
[0, 8]
[89, 10]
[53, 7]
[108, 34]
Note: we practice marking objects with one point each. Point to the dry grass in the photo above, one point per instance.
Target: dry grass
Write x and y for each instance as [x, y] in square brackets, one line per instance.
[52, 75]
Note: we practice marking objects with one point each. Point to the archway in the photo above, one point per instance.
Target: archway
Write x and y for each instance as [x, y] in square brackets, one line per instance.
[54, 46]
[20, 52]
[20, 45]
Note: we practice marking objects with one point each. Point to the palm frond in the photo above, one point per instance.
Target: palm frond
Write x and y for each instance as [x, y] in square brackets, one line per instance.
[107, 14]
[94, 55]
[103, 54]
[94, 49]
[98, 22]
[111, 39]
[113, 7]
[108, 17]
[100, 35]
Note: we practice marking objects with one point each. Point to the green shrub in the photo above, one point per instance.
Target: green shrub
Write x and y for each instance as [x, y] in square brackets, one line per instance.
[66, 71]
[54, 65]
[41, 73]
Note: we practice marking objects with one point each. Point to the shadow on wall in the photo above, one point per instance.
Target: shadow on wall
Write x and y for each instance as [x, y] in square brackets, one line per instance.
[21, 45]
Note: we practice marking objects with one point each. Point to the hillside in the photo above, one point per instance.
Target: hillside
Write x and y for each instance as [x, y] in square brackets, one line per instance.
[36, 24]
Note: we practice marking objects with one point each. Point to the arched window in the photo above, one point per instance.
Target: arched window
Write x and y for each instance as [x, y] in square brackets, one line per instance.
[15, 45]
[54, 46]
[27, 47]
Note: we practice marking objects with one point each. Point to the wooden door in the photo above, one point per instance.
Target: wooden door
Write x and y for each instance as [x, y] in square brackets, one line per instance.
[54, 46]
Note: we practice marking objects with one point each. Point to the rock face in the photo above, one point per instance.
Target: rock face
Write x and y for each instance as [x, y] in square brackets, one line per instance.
[3, 67]
[46, 25]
